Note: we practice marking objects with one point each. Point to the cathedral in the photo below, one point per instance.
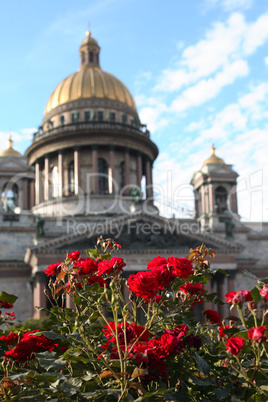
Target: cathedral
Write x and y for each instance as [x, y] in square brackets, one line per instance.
[88, 172]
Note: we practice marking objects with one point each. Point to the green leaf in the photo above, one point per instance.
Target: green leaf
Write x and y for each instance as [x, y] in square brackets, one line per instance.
[221, 271]
[200, 382]
[8, 298]
[250, 275]
[256, 294]
[106, 256]
[49, 335]
[222, 393]
[92, 253]
[242, 334]
[201, 364]
[77, 300]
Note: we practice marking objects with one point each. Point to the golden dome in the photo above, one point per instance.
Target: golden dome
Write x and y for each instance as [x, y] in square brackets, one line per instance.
[213, 159]
[10, 151]
[89, 81]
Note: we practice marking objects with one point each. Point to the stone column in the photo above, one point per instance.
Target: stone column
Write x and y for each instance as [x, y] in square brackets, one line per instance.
[127, 169]
[148, 178]
[221, 293]
[60, 174]
[111, 170]
[211, 198]
[76, 171]
[39, 297]
[46, 171]
[32, 194]
[139, 169]
[37, 183]
[233, 200]
[95, 181]
[25, 189]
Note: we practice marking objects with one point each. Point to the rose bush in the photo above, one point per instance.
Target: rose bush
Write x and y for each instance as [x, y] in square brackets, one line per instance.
[150, 346]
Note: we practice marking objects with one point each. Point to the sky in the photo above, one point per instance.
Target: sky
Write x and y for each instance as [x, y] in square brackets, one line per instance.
[197, 71]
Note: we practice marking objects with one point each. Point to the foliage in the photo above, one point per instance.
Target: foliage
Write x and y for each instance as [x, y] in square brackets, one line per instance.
[149, 347]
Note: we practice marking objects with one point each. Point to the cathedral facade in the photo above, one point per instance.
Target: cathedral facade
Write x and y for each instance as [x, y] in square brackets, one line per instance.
[88, 172]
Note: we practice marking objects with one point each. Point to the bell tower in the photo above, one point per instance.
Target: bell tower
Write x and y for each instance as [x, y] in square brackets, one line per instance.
[215, 193]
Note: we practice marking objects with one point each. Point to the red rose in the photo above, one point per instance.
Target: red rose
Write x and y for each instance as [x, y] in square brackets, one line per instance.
[116, 264]
[264, 292]
[213, 317]
[87, 266]
[10, 338]
[257, 334]
[98, 279]
[74, 255]
[144, 284]
[235, 344]
[183, 267]
[179, 331]
[157, 262]
[221, 331]
[193, 290]
[163, 275]
[11, 316]
[138, 330]
[52, 269]
[239, 297]
[5, 305]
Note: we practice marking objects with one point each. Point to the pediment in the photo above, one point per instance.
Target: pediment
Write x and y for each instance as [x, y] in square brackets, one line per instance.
[141, 232]
[11, 164]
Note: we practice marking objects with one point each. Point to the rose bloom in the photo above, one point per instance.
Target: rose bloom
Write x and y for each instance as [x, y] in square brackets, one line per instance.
[52, 269]
[221, 331]
[115, 264]
[182, 267]
[257, 334]
[157, 262]
[264, 292]
[87, 266]
[98, 279]
[144, 284]
[239, 297]
[74, 255]
[11, 316]
[213, 316]
[10, 338]
[235, 344]
[194, 290]
[5, 305]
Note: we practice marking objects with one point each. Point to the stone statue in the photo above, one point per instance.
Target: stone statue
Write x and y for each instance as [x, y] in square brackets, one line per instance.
[39, 223]
[229, 226]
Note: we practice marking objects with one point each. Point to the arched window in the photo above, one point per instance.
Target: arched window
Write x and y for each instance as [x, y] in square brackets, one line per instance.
[91, 57]
[221, 199]
[83, 57]
[71, 178]
[122, 175]
[55, 182]
[9, 197]
[103, 176]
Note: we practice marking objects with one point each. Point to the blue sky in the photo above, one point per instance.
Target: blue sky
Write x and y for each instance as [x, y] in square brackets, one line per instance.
[197, 71]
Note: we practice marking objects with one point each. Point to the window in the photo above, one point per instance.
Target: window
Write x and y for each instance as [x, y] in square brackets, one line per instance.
[71, 178]
[124, 118]
[100, 115]
[112, 116]
[221, 199]
[103, 176]
[75, 117]
[9, 197]
[91, 57]
[55, 182]
[122, 175]
[87, 115]
[62, 119]
[83, 57]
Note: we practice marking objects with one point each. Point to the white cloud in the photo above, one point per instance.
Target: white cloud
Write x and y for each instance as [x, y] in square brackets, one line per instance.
[21, 140]
[208, 89]
[230, 5]
[256, 34]
[255, 102]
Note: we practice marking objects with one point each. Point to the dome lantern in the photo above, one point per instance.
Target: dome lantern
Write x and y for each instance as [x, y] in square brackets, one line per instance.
[89, 52]
[10, 151]
[213, 159]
